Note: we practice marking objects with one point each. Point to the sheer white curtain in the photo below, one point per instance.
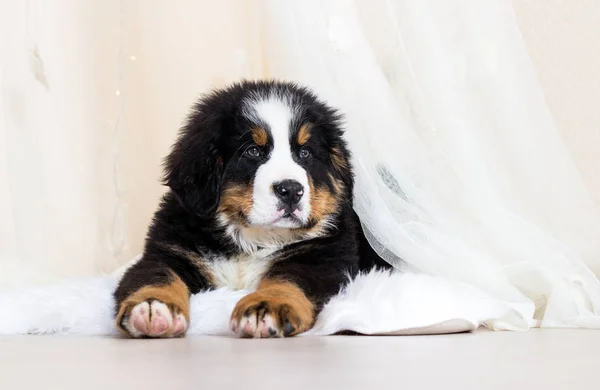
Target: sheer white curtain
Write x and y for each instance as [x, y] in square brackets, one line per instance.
[460, 170]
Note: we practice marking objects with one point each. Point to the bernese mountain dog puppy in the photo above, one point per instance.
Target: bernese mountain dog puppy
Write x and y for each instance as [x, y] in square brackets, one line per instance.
[260, 197]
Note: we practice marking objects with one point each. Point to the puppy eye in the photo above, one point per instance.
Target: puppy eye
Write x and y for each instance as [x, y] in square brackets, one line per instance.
[253, 151]
[304, 153]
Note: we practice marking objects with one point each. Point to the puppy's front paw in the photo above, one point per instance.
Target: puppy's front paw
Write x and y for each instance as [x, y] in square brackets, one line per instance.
[156, 311]
[153, 318]
[277, 311]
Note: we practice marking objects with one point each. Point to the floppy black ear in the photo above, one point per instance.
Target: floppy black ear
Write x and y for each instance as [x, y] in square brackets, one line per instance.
[194, 168]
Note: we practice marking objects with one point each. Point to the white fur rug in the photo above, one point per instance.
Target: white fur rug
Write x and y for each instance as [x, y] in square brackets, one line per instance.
[373, 303]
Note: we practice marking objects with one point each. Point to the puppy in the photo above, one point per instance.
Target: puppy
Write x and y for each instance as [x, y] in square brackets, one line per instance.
[260, 198]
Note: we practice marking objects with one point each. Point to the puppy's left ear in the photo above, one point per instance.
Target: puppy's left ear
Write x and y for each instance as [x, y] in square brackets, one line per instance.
[194, 168]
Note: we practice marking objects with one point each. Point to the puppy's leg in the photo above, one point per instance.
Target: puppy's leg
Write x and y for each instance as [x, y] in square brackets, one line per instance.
[152, 301]
[294, 290]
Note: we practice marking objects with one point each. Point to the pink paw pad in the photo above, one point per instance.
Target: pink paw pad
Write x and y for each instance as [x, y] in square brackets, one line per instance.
[155, 319]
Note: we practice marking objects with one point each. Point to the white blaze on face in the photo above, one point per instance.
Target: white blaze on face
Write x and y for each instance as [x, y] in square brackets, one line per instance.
[277, 115]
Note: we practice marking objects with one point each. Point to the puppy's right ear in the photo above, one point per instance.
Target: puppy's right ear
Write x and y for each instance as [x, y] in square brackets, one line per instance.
[194, 168]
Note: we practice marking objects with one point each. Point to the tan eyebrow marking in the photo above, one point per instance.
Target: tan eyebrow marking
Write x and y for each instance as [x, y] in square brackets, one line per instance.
[303, 134]
[259, 135]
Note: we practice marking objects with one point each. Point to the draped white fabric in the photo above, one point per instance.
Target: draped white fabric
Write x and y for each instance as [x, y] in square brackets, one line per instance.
[460, 170]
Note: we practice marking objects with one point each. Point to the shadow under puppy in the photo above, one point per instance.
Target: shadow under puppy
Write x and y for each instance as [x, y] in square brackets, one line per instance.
[260, 198]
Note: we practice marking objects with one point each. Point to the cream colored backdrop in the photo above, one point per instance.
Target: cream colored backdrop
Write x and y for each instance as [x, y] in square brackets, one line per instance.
[83, 179]
[87, 178]
[563, 41]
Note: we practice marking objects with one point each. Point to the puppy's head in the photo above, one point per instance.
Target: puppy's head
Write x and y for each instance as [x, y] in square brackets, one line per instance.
[262, 155]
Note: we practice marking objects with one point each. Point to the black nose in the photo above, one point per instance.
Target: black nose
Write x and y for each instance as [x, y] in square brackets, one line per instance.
[289, 191]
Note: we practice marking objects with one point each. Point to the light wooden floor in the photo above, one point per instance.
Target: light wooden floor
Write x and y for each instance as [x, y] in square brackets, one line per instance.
[540, 359]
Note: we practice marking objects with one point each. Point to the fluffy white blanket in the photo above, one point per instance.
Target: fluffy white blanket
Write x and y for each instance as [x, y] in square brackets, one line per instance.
[373, 303]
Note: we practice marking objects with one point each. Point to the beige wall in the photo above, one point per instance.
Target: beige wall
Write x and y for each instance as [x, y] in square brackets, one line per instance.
[563, 40]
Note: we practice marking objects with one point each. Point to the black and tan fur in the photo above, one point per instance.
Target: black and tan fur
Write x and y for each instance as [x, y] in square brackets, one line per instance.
[202, 229]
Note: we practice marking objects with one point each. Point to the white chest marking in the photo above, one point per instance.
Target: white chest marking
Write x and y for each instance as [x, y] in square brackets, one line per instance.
[243, 271]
